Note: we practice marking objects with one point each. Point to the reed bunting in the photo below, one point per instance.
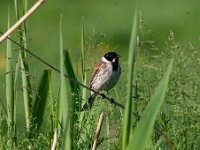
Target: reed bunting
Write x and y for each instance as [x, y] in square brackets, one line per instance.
[105, 76]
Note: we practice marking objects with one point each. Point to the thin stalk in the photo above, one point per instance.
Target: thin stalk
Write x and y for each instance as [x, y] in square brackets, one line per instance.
[127, 127]
[55, 140]
[10, 92]
[98, 130]
[83, 73]
[25, 96]
[83, 62]
[26, 82]
[108, 131]
[21, 20]
[63, 95]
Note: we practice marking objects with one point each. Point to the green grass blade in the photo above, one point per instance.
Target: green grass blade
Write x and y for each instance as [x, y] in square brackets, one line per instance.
[16, 9]
[26, 82]
[25, 95]
[74, 86]
[41, 98]
[52, 112]
[10, 92]
[70, 71]
[84, 76]
[127, 128]
[75, 95]
[58, 111]
[83, 63]
[16, 71]
[63, 96]
[25, 6]
[75, 89]
[108, 131]
[143, 131]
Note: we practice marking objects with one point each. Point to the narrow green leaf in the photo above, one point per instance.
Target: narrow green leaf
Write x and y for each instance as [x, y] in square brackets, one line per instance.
[63, 96]
[75, 96]
[58, 111]
[10, 92]
[143, 131]
[70, 71]
[127, 129]
[83, 63]
[41, 98]
[25, 6]
[26, 82]
[84, 76]
[25, 95]
[73, 84]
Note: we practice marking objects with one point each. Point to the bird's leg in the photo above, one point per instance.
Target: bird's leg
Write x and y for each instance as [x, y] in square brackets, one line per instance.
[111, 99]
[103, 95]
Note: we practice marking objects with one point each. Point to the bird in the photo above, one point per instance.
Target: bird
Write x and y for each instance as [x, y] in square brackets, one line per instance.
[105, 76]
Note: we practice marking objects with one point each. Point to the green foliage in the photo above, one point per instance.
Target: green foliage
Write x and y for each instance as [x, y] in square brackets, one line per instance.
[75, 89]
[127, 123]
[10, 93]
[83, 63]
[26, 81]
[66, 116]
[75, 104]
[173, 126]
[143, 131]
[41, 99]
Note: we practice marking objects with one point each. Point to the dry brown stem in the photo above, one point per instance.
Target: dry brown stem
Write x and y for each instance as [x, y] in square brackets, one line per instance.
[55, 139]
[98, 131]
[21, 20]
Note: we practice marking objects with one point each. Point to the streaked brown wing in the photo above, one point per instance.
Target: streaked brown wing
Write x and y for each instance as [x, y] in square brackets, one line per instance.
[95, 72]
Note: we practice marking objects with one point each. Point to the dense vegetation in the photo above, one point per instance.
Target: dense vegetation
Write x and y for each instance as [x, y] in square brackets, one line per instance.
[151, 77]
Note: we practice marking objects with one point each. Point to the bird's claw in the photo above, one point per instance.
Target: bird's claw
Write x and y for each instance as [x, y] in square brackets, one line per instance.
[112, 100]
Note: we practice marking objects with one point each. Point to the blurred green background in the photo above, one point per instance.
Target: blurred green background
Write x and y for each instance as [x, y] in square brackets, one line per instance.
[113, 18]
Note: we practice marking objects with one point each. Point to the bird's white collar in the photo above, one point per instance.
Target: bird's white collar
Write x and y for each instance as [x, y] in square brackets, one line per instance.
[105, 60]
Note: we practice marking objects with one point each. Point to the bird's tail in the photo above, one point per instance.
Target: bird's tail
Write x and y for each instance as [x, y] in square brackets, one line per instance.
[88, 104]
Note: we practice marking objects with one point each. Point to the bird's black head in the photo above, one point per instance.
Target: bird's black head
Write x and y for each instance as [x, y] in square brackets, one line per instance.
[113, 58]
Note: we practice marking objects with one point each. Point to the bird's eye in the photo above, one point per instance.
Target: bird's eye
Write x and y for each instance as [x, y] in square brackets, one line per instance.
[107, 56]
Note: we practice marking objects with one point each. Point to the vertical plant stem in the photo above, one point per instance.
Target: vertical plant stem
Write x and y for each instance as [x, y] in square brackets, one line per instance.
[21, 20]
[55, 139]
[10, 92]
[63, 95]
[84, 76]
[108, 131]
[98, 131]
[127, 127]
[83, 62]
[26, 82]
[25, 96]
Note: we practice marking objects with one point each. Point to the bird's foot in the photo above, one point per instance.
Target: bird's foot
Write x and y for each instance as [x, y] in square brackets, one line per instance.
[112, 100]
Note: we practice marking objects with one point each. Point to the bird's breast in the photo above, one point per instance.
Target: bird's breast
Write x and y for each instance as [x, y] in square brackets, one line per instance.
[113, 78]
